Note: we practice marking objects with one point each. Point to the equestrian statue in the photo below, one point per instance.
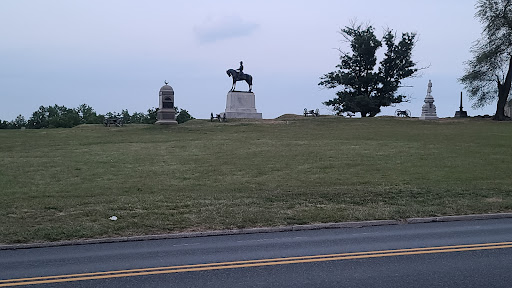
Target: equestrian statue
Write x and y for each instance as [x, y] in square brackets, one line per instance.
[239, 75]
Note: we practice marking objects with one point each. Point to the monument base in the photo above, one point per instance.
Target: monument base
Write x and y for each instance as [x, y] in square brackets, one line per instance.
[241, 105]
[241, 115]
[166, 122]
[461, 114]
[429, 117]
[166, 117]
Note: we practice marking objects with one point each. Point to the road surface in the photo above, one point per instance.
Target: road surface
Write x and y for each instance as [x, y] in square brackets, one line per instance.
[452, 254]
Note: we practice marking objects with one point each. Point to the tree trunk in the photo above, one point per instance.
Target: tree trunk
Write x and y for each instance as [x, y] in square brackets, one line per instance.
[502, 100]
[503, 91]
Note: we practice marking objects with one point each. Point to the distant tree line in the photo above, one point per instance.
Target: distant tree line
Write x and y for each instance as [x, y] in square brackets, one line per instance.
[62, 117]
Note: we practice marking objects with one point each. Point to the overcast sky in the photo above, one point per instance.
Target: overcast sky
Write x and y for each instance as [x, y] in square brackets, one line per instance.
[115, 55]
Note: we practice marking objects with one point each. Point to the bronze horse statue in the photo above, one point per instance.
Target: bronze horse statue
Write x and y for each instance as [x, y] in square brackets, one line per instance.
[235, 75]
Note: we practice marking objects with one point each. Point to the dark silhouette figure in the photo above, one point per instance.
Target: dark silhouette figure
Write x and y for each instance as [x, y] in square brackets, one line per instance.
[241, 69]
[239, 75]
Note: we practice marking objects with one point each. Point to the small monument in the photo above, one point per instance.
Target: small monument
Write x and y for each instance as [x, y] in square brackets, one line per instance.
[428, 111]
[166, 114]
[241, 104]
[461, 113]
[508, 108]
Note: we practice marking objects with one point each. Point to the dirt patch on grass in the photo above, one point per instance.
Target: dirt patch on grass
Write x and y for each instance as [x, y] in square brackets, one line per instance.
[494, 200]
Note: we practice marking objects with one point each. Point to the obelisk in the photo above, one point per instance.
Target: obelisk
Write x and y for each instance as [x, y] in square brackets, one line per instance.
[461, 113]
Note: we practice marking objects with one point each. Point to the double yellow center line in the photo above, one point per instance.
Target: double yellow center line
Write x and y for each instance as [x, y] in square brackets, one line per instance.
[251, 263]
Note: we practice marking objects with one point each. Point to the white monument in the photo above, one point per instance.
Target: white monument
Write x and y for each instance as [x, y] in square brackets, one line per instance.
[428, 111]
[166, 114]
[241, 105]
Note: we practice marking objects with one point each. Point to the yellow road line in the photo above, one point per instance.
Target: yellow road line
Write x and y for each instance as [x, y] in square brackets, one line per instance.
[264, 260]
[251, 263]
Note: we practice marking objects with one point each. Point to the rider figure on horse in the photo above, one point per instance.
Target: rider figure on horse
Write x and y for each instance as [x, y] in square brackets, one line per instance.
[239, 75]
[241, 70]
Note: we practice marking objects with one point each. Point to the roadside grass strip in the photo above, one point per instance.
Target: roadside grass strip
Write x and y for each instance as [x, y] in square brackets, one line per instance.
[251, 263]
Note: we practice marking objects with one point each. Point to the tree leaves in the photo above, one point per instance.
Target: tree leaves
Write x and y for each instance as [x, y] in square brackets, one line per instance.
[487, 73]
[364, 88]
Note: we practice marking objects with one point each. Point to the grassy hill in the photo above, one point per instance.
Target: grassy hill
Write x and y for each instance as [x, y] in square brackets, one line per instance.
[58, 184]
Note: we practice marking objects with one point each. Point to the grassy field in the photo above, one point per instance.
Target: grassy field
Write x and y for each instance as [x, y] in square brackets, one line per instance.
[59, 184]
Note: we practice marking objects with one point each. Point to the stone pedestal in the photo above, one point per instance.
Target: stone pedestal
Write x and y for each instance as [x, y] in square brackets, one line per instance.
[166, 114]
[461, 113]
[166, 117]
[428, 111]
[241, 105]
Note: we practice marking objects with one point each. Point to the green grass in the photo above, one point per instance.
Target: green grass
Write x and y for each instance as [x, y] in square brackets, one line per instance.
[59, 184]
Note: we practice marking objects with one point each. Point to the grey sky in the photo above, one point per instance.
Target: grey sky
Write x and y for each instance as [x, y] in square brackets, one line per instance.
[116, 55]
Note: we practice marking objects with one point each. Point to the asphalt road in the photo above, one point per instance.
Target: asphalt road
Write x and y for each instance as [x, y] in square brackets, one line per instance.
[453, 254]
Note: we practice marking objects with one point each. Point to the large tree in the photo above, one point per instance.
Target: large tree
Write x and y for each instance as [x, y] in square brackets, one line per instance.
[489, 73]
[365, 88]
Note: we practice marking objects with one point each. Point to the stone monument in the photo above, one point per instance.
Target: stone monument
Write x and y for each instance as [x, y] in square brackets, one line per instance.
[461, 113]
[166, 114]
[508, 108]
[241, 104]
[428, 111]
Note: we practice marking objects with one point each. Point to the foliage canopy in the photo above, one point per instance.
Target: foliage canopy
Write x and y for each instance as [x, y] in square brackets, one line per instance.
[183, 116]
[488, 74]
[365, 88]
[62, 117]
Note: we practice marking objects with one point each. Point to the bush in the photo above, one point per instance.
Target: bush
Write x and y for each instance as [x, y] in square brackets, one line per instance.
[183, 116]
